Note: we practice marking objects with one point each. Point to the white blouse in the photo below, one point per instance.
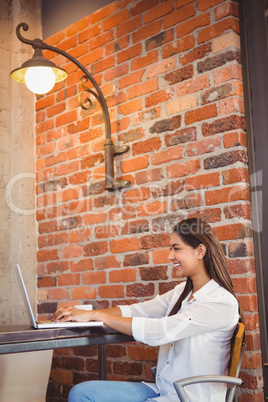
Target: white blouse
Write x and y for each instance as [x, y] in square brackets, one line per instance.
[195, 341]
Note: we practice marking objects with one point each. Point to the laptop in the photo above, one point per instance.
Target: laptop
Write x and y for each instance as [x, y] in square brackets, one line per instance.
[48, 324]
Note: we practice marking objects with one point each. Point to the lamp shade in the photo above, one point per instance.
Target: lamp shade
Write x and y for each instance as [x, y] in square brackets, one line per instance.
[39, 73]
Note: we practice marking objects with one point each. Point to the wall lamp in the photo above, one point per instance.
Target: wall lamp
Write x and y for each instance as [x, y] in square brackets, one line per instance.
[40, 75]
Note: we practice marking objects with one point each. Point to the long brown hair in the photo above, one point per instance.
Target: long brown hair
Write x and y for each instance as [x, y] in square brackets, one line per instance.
[193, 232]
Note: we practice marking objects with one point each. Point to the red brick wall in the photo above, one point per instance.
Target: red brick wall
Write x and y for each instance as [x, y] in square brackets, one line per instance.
[171, 74]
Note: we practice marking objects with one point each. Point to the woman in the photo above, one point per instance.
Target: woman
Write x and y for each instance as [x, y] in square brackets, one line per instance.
[193, 324]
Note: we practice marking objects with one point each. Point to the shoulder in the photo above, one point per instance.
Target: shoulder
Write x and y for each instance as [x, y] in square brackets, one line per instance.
[221, 295]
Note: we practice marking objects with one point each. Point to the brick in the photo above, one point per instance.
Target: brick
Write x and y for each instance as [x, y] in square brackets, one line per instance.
[129, 26]
[79, 236]
[137, 226]
[124, 245]
[183, 169]
[134, 195]
[202, 181]
[136, 259]
[82, 265]
[155, 241]
[149, 145]
[95, 248]
[231, 105]
[181, 104]
[159, 97]
[44, 102]
[233, 231]
[132, 135]
[229, 194]
[186, 27]
[61, 376]
[241, 249]
[153, 274]
[89, 33]
[181, 136]
[44, 126]
[130, 79]
[83, 293]
[91, 161]
[143, 61]
[68, 279]
[153, 208]
[149, 176]
[148, 115]
[130, 107]
[47, 255]
[199, 52]
[101, 40]
[234, 139]
[91, 278]
[179, 46]
[115, 20]
[225, 9]
[107, 262]
[229, 123]
[46, 281]
[203, 146]
[179, 75]
[199, 114]
[225, 159]
[235, 175]
[204, 5]
[158, 40]
[218, 29]
[111, 291]
[71, 252]
[167, 155]
[140, 290]
[161, 256]
[138, 163]
[143, 6]
[123, 275]
[181, 14]
[104, 231]
[143, 88]
[191, 200]
[230, 39]
[227, 73]
[161, 67]
[120, 125]
[66, 118]
[146, 31]
[166, 125]
[244, 285]
[129, 53]
[171, 188]
[219, 60]
[103, 12]
[93, 218]
[158, 11]
[142, 353]
[119, 44]
[192, 86]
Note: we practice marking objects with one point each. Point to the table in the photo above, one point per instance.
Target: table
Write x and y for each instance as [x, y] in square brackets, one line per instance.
[23, 338]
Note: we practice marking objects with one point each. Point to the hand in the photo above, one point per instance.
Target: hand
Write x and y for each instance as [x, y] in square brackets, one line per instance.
[71, 314]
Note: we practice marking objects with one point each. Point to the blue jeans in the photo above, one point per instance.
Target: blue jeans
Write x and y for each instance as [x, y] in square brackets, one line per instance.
[110, 391]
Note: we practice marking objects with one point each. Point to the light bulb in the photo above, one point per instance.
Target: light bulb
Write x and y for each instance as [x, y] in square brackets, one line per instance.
[39, 80]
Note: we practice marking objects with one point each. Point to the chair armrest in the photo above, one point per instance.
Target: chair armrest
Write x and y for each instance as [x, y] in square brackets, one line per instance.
[180, 384]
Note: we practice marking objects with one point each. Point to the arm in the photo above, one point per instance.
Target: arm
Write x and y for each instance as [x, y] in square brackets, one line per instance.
[111, 317]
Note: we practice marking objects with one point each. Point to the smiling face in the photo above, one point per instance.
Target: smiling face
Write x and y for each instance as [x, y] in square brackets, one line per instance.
[187, 260]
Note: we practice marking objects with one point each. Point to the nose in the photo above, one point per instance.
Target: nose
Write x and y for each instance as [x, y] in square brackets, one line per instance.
[171, 255]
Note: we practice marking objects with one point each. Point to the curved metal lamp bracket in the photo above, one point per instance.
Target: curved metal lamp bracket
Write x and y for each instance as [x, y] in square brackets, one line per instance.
[109, 148]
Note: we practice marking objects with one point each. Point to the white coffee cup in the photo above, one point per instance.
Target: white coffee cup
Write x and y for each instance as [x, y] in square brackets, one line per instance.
[84, 307]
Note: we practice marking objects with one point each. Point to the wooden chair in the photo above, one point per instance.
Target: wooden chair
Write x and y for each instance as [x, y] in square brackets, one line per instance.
[237, 352]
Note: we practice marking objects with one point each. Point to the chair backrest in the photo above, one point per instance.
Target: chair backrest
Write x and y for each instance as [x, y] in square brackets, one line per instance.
[236, 347]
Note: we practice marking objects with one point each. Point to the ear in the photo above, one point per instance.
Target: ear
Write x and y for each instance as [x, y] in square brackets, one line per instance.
[201, 251]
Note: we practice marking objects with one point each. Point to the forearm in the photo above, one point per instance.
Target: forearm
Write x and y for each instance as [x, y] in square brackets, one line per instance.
[114, 321]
